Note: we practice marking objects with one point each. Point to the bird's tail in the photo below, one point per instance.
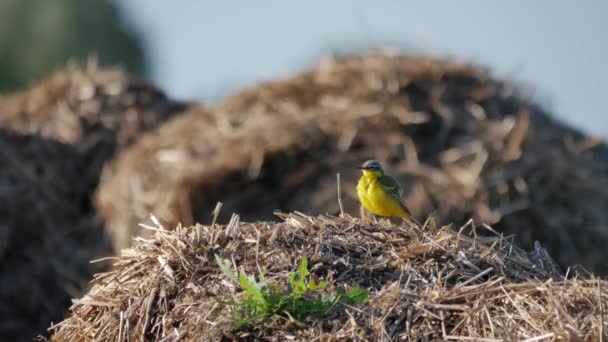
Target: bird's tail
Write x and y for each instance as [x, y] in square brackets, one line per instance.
[407, 214]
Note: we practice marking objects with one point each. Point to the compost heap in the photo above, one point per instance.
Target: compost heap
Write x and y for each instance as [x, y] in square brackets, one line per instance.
[54, 139]
[462, 143]
[424, 283]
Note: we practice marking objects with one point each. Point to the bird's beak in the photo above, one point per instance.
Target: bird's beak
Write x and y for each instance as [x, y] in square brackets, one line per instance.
[361, 168]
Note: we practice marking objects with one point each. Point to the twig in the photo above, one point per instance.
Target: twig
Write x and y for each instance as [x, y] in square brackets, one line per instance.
[149, 305]
[257, 252]
[479, 275]
[216, 213]
[340, 196]
[232, 225]
[518, 135]
[538, 338]
[443, 332]
[599, 291]
[120, 324]
[465, 338]
[452, 307]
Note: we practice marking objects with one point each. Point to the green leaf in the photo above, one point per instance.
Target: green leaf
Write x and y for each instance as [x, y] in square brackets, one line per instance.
[263, 274]
[299, 287]
[356, 296]
[313, 285]
[292, 279]
[226, 267]
[303, 268]
[244, 281]
[252, 288]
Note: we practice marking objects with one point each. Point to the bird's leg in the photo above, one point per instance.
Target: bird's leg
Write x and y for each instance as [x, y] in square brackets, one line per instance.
[363, 213]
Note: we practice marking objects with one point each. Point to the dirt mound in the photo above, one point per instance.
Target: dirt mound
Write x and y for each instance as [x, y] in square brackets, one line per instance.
[48, 234]
[463, 144]
[424, 283]
[54, 139]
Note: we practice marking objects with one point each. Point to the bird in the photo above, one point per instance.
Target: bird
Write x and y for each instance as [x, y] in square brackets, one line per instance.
[380, 193]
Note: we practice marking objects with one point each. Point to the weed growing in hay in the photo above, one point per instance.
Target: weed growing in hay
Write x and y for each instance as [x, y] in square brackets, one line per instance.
[295, 301]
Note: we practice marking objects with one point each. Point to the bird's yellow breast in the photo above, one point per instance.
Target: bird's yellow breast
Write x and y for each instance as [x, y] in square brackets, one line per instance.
[374, 198]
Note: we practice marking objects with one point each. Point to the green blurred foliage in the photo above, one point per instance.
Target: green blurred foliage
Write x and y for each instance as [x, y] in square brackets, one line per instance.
[38, 37]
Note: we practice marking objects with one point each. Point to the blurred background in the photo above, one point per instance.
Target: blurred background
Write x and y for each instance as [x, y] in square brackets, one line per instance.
[203, 50]
[91, 152]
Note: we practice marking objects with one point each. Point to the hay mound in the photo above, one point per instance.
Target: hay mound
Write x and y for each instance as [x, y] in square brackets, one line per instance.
[98, 111]
[54, 139]
[84, 105]
[462, 143]
[192, 159]
[425, 283]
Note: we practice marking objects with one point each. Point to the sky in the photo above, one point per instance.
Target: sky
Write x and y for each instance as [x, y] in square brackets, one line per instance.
[206, 50]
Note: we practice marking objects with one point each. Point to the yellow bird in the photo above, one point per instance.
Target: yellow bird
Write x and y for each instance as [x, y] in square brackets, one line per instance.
[380, 193]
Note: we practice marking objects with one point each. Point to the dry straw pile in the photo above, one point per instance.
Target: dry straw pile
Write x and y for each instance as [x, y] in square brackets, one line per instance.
[54, 139]
[426, 283]
[98, 111]
[463, 144]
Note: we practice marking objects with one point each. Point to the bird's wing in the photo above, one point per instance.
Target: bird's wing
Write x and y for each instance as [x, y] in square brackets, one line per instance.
[392, 187]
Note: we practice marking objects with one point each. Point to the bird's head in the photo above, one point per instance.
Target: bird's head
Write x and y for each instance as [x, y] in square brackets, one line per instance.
[372, 168]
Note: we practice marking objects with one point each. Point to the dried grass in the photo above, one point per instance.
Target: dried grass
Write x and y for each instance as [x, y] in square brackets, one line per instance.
[426, 283]
[54, 139]
[462, 143]
[99, 111]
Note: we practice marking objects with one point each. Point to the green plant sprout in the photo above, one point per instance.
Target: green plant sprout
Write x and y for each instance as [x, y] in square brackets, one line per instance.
[295, 301]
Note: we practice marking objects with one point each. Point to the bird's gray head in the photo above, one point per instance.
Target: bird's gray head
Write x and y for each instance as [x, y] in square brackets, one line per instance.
[371, 165]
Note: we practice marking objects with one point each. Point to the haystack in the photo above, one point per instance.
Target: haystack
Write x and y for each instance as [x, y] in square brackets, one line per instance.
[54, 139]
[425, 283]
[461, 142]
[96, 110]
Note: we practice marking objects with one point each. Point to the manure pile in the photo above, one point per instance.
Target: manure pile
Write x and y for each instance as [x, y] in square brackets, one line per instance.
[463, 144]
[54, 140]
[425, 283]
[46, 241]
